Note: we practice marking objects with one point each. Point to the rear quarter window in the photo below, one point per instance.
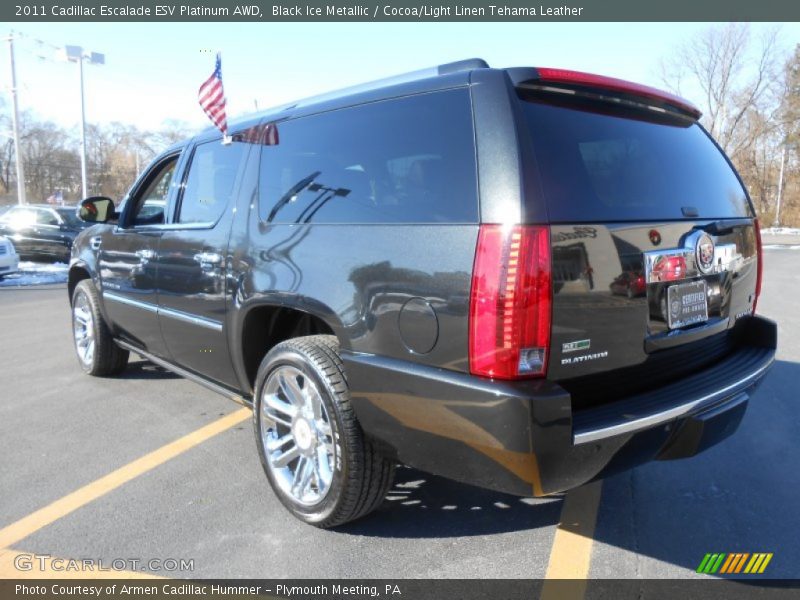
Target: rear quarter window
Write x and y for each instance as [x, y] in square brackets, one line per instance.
[407, 160]
[601, 166]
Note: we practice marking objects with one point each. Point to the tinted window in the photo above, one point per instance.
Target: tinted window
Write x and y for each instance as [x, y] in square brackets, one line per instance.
[407, 160]
[212, 175]
[46, 217]
[70, 218]
[604, 167]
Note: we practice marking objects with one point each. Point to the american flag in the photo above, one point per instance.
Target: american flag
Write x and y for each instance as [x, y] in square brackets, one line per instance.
[212, 98]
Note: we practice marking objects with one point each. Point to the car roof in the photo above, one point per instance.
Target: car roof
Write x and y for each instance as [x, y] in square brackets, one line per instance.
[443, 76]
[41, 205]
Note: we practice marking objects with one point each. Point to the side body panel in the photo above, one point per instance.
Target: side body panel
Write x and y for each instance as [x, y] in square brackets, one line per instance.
[396, 287]
[362, 291]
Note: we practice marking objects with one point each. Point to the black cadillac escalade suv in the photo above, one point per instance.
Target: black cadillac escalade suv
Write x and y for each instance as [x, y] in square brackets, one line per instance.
[523, 279]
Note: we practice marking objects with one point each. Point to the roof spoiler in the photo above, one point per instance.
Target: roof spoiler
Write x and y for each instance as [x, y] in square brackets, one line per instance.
[577, 82]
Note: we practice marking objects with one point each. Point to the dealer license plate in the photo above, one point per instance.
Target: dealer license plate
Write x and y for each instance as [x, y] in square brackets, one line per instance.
[687, 304]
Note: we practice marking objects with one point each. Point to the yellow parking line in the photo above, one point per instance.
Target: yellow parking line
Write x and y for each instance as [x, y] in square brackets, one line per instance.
[571, 553]
[63, 506]
[26, 565]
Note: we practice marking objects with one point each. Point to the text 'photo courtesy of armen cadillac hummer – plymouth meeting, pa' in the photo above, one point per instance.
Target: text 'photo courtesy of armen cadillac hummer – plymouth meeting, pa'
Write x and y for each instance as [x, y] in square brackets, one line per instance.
[355, 300]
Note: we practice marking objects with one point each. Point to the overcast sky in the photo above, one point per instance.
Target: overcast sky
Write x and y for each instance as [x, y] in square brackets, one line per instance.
[153, 71]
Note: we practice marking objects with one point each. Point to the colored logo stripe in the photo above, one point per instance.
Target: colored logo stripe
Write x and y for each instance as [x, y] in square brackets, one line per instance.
[734, 562]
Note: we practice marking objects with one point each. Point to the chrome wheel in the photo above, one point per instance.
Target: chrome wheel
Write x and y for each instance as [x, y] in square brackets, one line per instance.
[296, 435]
[83, 329]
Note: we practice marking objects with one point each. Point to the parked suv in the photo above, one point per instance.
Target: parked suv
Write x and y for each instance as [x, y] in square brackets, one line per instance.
[421, 270]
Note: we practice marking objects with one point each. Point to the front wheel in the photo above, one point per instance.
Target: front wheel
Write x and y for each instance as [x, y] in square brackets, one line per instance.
[97, 353]
[312, 448]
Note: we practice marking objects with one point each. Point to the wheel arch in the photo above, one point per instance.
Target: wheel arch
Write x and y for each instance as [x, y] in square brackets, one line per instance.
[77, 273]
[262, 323]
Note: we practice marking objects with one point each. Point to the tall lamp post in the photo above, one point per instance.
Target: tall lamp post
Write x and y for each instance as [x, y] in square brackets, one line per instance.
[15, 115]
[76, 54]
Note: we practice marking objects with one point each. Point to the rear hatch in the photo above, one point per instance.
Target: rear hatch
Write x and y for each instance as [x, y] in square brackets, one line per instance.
[654, 249]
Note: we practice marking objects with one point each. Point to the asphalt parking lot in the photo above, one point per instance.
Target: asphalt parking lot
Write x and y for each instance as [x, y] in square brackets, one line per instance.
[150, 466]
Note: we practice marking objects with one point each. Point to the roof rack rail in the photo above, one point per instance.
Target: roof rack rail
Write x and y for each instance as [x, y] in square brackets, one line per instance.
[443, 69]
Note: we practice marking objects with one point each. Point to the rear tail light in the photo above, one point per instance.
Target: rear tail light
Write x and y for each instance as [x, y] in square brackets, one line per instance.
[760, 268]
[511, 302]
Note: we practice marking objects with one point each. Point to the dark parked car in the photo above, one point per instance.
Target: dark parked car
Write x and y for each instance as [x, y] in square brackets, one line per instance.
[41, 231]
[630, 284]
[373, 271]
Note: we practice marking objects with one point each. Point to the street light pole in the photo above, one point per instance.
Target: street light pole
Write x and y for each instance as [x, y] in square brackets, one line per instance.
[76, 54]
[84, 185]
[15, 112]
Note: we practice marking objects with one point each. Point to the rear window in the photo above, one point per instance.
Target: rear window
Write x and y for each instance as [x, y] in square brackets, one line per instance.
[408, 160]
[598, 166]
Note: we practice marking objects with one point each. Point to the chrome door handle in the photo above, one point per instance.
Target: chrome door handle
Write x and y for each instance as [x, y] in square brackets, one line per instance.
[146, 254]
[95, 242]
[208, 260]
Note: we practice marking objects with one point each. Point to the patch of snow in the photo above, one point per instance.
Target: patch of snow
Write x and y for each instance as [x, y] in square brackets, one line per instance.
[34, 273]
[781, 247]
[780, 231]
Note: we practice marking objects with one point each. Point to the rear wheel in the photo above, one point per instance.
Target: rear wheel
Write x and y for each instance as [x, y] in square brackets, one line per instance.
[312, 448]
[97, 353]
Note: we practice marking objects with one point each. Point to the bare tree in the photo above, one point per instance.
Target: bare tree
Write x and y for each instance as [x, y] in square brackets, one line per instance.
[790, 105]
[115, 153]
[740, 83]
[790, 134]
[734, 74]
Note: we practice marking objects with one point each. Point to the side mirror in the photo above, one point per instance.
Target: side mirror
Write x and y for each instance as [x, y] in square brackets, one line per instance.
[97, 209]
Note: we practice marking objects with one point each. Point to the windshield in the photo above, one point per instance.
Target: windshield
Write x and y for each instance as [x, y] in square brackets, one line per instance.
[602, 166]
[19, 216]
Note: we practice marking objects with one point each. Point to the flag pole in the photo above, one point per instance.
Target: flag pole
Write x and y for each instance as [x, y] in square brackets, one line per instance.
[226, 139]
[211, 97]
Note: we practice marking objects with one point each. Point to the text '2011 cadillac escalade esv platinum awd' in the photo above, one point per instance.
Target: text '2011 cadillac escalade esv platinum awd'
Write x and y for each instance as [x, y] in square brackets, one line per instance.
[523, 279]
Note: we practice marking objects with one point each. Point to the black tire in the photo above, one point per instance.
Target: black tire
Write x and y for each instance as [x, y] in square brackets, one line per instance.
[106, 358]
[362, 476]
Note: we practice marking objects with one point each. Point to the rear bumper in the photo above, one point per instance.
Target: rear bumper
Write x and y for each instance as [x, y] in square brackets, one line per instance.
[523, 437]
[9, 263]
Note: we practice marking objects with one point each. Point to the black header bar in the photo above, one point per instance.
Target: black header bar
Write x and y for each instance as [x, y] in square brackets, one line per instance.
[398, 10]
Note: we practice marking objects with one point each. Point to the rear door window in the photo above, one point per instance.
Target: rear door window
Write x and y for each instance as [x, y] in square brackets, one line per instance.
[597, 165]
[409, 160]
[213, 173]
[46, 217]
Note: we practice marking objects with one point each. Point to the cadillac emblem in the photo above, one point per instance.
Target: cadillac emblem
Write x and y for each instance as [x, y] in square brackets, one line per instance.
[704, 253]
